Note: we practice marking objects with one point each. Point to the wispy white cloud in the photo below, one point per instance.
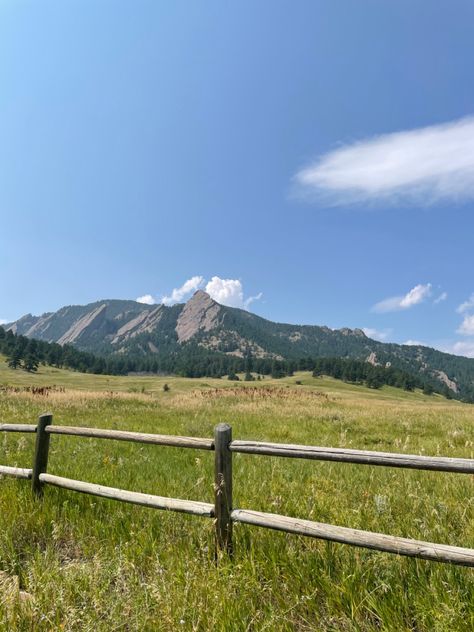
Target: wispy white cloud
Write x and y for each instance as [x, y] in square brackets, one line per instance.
[147, 299]
[180, 293]
[458, 347]
[424, 165]
[3, 321]
[461, 347]
[467, 326]
[397, 303]
[467, 306]
[248, 301]
[376, 334]
[442, 297]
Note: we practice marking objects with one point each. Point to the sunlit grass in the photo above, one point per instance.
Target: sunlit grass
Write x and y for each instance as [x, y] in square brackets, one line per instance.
[85, 563]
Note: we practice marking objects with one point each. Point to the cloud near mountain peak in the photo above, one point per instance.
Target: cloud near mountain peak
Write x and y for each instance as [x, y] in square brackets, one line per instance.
[228, 292]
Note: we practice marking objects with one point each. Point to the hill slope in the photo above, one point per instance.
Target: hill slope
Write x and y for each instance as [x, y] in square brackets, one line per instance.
[131, 328]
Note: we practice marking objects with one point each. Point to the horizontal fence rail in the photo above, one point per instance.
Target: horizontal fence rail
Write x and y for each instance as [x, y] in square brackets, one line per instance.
[17, 427]
[366, 457]
[135, 498]
[17, 472]
[356, 537]
[136, 437]
[222, 511]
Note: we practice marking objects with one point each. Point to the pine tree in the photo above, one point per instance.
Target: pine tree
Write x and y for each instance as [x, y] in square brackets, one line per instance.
[427, 389]
[14, 360]
[30, 363]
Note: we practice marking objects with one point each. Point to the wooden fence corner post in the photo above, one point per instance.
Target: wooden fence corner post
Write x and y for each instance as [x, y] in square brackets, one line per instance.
[223, 488]
[40, 463]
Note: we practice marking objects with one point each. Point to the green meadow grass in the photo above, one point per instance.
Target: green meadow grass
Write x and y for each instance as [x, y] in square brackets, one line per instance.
[76, 562]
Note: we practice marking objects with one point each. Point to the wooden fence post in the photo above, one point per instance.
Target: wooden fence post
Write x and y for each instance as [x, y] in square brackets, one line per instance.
[40, 463]
[223, 488]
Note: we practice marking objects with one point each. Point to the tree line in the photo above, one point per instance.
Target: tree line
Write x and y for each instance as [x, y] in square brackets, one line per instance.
[193, 360]
[376, 376]
[28, 353]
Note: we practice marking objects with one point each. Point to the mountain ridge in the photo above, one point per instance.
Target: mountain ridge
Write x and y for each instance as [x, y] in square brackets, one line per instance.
[129, 328]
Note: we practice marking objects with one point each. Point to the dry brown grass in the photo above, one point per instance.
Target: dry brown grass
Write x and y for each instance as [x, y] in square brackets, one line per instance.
[68, 396]
[260, 393]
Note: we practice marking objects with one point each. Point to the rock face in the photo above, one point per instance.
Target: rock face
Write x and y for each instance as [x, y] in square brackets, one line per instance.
[200, 313]
[40, 326]
[145, 322]
[79, 327]
[87, 325]
[449, 383]
[372, 359]
[127, 327]
[25, 324]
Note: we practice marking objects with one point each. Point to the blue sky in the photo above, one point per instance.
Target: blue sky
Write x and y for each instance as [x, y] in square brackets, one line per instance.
[316, 157]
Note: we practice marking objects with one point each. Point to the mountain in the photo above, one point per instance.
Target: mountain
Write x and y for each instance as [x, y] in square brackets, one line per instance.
[130, 329]
[114, 326]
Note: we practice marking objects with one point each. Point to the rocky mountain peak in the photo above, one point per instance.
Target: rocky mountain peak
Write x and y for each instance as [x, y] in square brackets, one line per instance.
[200, 295]
[112, 327]
[201, 313]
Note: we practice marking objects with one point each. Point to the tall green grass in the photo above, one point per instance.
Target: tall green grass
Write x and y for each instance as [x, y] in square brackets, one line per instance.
[85, 563]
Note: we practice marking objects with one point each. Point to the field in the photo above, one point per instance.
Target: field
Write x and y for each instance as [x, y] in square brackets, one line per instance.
[75, 562]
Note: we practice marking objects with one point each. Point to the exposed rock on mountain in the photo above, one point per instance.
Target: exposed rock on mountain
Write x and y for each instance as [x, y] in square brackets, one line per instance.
[135, 329]
[81, 326]
[200, 313]
[451, 384]
[145, 322]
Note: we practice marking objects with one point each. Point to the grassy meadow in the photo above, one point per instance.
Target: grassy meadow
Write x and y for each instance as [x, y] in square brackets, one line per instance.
[76, 562]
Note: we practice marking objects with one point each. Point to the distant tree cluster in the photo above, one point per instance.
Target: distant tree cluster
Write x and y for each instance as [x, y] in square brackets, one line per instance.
[359, 372]
[23, 354]
[194, 360]
[28, 353]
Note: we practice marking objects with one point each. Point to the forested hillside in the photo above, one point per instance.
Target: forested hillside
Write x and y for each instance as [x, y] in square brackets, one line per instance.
[194, 361]
[203, 337]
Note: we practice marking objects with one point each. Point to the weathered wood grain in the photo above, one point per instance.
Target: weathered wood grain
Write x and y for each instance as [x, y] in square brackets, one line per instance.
[136, 498]
[17, 472]
[223, 487]
[366, 457]
[17, 427]
[137, 437]
[355, 537]
[40, 462]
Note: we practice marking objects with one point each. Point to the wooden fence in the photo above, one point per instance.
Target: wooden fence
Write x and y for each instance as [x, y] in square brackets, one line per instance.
[222, 511]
